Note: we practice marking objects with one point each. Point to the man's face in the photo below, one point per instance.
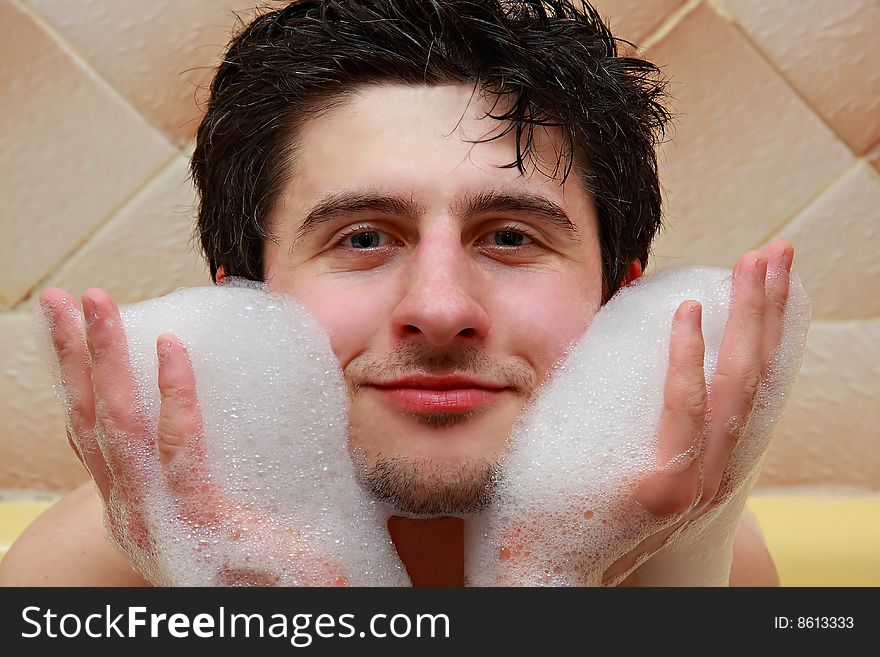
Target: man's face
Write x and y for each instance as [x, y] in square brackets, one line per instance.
[449, 286]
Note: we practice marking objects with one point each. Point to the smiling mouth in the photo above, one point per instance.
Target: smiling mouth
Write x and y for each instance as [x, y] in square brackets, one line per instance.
[463, 402]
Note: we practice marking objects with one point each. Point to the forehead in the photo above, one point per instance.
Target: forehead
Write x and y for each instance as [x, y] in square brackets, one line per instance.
[419, 141]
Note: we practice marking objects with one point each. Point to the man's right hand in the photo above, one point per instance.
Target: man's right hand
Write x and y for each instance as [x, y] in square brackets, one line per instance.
[112, 438]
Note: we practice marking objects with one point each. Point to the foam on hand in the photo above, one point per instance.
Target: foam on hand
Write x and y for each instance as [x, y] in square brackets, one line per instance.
[274, 408]
[563, 511]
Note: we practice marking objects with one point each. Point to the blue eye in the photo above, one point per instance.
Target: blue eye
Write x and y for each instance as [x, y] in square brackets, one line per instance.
[362, 238]
[365, 240]
[513, 237]
[509, 238]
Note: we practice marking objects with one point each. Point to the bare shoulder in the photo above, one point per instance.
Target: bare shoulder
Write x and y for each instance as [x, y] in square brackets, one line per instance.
[752, 563]
[66, 546]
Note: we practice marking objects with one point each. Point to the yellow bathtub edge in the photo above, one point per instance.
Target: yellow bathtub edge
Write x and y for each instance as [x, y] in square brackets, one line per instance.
[822, 541]
[815, 541]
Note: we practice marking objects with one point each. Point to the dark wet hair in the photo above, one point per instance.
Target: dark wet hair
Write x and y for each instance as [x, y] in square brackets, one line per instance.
[553, 61]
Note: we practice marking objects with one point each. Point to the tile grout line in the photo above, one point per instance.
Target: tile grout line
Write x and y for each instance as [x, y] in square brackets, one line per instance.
[83, 64]
[725, 14]
[873, 153]
[29, 496]
[666, 26]
[669, 23]
[818, 192]
[135, 193]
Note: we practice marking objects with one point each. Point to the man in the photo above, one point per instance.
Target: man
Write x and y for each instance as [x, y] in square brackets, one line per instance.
[453, 189]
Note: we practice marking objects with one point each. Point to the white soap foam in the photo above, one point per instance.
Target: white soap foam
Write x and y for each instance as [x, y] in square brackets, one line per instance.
[274, 407]
[563, 511]
[275, 419]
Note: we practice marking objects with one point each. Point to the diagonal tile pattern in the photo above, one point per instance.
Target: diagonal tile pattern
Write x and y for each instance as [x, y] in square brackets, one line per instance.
[747, 152]
[779, 135]
[634, 20]
[146, 250]
[160, 54]
[828, 435]
[837, 237]
[72, 154]
[829, 51]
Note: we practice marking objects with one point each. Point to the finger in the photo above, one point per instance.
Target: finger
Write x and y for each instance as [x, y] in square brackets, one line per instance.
[289, 558]
[180, 435]
[128, 444]
[180, 420]
[624, 567]
[674, 485]
[65, 323]
[68, 340]
[76, 450]
[125, 519]
[780, 255]
[738, 375]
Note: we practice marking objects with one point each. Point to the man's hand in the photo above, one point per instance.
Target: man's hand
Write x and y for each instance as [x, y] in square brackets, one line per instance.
[643, 508]
[111, 436]
[699, 428]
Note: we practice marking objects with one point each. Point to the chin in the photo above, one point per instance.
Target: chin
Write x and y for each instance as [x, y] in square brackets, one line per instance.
[421, 486]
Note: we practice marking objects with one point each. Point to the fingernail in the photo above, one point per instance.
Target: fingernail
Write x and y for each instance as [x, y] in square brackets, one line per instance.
[788, 259]
[163, 349]
[761, 269]
[696, 314]
[90, 310]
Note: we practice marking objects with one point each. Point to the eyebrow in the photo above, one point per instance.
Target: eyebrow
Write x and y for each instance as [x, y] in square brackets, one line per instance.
[354, 201]
[522, 202]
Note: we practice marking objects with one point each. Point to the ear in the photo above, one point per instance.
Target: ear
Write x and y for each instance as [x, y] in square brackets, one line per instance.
[219, 276]
[634, 273]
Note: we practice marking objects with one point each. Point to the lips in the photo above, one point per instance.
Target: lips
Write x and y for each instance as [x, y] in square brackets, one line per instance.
[439, 394]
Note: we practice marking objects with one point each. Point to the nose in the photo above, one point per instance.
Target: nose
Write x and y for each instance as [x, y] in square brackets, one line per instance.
[440, 296]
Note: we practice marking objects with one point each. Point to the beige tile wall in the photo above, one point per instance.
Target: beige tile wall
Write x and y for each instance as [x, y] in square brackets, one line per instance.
[779, 136]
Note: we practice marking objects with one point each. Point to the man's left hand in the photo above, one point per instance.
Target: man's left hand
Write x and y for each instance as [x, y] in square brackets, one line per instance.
[700, 426]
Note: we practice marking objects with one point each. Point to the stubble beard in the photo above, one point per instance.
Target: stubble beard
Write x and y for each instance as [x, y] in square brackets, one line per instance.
[424, 487]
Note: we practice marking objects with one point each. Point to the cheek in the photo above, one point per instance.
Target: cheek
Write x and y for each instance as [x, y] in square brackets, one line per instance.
[351, 317]
[349, 313]
[554, 317]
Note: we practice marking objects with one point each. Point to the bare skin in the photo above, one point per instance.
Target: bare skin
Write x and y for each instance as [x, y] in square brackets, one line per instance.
[441, 282]
[432, 550]
[66, 546]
